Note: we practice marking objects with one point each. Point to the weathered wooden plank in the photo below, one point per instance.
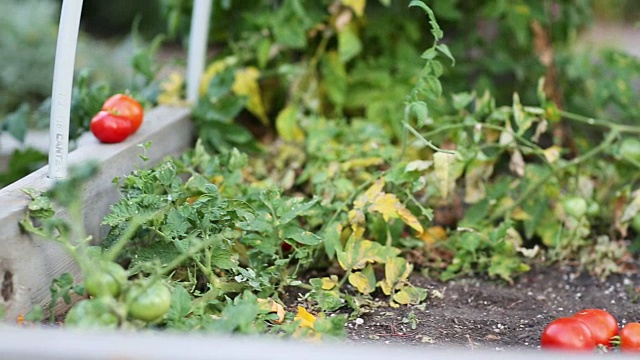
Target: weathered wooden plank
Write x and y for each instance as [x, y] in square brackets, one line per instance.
[27, 264]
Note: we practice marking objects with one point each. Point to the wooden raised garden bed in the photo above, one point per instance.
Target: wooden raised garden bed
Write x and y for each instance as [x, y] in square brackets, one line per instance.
[28, 264]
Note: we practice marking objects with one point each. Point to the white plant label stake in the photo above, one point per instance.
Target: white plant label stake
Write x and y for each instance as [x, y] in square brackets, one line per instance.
[62, 87]
[199, 34]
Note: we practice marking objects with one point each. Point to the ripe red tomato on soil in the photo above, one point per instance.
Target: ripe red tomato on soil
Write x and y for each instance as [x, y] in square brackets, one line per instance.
[568, 334]
[630, 337]
[109, 128]
[602, 324]
[127, 107]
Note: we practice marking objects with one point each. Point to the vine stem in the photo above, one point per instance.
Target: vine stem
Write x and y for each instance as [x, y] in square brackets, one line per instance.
[621, 128]
[425, 141]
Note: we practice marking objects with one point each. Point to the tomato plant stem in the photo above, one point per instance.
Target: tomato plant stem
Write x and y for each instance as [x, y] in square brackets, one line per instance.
[599, 122]
[425, 141]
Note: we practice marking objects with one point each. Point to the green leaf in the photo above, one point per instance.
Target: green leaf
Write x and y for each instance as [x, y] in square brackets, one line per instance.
[443, 48]
[435, 28]
[420, 110]
[287, 124]
[462, 100]
[16, 122]
[36, 314]
[300, 235]
[331, 238]
[180, 304]
[429, 54]
[163, 252]
[434, 87]
[223, 258]
[334, 78]
[328, 300]
[349, 45]
[293, 208]
[239, 316]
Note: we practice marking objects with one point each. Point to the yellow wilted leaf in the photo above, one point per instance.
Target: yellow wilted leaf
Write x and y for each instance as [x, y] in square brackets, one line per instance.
[372, 192]
[443, 171]
[287, 124]
[329, 283]
[477, 173]
[356, 5]
[385, 204]
[217, 179]
[519, 214]
[433, 234]
[395, 269]
[552, 153]
[410, 295]
[357, 221]
[272, 306]
[246, 84]
[361, 163]
[409, 219]
[364, 281]
[358, 253]
[171, 90]
[214, 69]
[390, 207]
[306, 319]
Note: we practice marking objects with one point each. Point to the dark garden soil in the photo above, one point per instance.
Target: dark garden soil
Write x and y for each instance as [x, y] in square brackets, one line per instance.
[487, 314]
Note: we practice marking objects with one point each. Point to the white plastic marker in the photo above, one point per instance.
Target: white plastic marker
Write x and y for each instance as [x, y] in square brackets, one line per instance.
[197, 47]
[62, 87]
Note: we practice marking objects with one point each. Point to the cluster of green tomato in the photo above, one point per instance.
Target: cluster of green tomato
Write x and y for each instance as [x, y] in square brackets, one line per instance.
[113, 297]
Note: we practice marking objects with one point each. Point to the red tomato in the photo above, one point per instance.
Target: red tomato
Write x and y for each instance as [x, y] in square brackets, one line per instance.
[126, 107]
[109, 128]
[286, 247]
[630, 337]
[602, 324]
[567, 334]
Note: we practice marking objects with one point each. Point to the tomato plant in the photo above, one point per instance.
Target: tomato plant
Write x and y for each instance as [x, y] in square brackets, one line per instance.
[567, 334]
[148, 301]
[110, 128]
[98, 312]
[127, 107]
[630, 337]
[602, 324]
[104, 280]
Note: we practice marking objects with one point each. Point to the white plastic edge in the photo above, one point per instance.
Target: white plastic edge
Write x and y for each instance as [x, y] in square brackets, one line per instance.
[197, 46]
[62, 87]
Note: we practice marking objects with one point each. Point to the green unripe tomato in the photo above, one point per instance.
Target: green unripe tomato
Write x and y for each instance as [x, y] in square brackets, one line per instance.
[106, 280]
[92, 313]
[630, 148]
[148, 302]
[575, 206]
